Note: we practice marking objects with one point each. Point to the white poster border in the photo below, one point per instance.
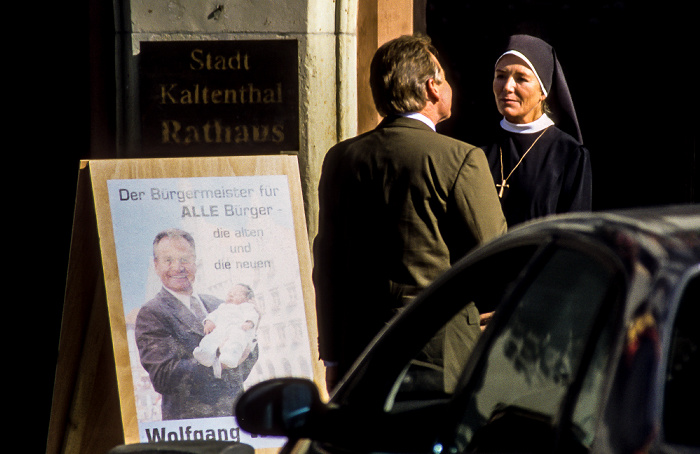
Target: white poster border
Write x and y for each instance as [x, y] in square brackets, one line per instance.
[245, 232]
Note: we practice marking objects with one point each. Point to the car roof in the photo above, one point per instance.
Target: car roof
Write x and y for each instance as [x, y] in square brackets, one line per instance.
[659, 220]
[676, 228]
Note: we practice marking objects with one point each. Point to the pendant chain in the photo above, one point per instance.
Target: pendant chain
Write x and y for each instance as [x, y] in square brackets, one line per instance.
[503, 184]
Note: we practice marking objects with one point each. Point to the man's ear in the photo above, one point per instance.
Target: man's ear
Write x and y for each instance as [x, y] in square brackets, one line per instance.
[432, 89]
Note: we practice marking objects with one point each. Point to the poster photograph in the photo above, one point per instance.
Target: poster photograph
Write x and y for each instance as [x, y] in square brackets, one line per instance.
[230, 242]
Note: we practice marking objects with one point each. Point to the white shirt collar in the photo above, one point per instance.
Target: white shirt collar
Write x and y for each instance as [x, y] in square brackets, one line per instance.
[538, 125]
[420, 117]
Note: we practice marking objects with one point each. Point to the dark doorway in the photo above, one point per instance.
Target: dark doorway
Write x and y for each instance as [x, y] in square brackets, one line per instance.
[627, 64]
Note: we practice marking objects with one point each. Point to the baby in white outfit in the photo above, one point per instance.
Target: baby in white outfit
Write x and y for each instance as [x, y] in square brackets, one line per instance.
[229, 330]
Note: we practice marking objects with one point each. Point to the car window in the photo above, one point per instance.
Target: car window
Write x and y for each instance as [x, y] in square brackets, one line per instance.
[586, 408]
[432, 372]
[682, 392]
[533, 358]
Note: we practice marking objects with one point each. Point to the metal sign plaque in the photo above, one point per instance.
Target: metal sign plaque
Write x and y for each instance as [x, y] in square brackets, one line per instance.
[218, 97]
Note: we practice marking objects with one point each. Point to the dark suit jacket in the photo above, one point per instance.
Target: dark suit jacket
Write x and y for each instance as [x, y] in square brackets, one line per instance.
[397, 207]
[166, 334]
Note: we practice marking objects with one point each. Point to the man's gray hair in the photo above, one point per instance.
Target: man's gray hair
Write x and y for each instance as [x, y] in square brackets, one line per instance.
[398, 73]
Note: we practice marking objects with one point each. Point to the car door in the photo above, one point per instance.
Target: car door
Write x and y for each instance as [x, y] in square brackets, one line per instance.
[550, 344]
[547, 293]
[395, 395]
[681, 396]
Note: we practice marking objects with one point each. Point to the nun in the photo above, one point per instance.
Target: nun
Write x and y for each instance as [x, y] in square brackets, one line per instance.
[538, 160]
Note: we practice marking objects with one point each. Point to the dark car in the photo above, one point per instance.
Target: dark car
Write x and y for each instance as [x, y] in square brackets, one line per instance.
[593, 348]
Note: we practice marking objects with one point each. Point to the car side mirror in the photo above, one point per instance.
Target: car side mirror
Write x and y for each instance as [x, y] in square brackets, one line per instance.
[280, 407]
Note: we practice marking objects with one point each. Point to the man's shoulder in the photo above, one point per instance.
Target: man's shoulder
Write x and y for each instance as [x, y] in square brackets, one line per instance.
[157, 303]
[420, 134]
[412, 130]
[405, 143]
[452, 142]
[440, 146]
[346, 143]
[159, 298]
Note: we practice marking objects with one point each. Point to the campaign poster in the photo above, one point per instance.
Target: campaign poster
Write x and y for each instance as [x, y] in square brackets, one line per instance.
[242, 236]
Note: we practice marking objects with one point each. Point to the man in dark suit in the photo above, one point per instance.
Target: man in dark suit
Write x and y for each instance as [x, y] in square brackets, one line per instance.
[397, 206]
[168, 329]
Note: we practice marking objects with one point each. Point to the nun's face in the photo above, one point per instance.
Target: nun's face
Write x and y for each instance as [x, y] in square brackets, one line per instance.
[518, 93]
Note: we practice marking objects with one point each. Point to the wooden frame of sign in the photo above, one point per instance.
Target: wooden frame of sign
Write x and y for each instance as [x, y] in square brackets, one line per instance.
[246, 215]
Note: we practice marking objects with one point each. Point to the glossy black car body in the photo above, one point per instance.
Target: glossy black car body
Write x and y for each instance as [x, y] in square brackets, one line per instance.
[593, 348]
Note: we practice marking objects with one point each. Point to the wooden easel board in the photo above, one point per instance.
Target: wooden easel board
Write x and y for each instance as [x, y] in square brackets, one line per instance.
[247, 217]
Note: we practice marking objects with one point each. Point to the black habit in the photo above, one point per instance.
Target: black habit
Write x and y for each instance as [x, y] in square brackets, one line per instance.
[554, 177]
